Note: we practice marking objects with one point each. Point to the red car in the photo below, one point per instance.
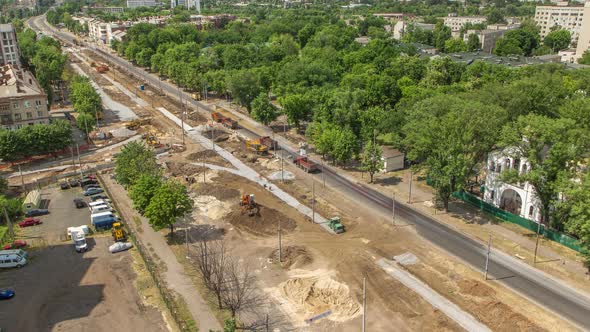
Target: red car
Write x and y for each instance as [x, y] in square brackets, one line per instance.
[17, 244]
[30, 222]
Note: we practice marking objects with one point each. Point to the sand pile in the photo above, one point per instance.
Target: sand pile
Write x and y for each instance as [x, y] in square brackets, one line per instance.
[210, 206]
[273, 164]
[292, 256]
[264, 224]
[315, 295]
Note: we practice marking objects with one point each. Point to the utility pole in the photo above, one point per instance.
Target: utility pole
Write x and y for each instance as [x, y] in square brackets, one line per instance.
[182, 125]
[312, 199]
[410, 192]
[393, 209]
[79, 162]
[364, 304]
[488, 258]
[22, 179]
[186, 234]
[8, 223]
[282, 167]
[537, 242]
[280, 244]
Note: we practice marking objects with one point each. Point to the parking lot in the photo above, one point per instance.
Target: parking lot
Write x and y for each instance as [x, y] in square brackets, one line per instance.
[61, 290]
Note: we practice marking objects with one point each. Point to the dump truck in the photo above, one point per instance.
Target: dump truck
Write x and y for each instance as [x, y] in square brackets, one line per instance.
[268, 142]
[217, 117]
[335, 225]
[255, 146]
[229, 123]
[305, 164]
[118, 232]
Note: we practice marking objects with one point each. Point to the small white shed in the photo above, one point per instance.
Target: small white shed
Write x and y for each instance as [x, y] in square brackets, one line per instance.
[393, 159]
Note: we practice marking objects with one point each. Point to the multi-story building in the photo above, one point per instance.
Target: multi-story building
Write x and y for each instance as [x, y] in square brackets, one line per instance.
[561, 16]
[519, 199]
[489, 36]
[457, 22]
[22, 101]
[395, 16]
[141, 3]
[9, 53]
[400, 28]
[176, 3]
[104, 9]
[584, 38]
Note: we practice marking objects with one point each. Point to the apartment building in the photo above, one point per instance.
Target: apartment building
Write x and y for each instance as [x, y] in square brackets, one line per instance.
[22, 101]
[141, 3]
[584, 37]
[561, 16]
[489, 36]
[9, 53]
[457, 22]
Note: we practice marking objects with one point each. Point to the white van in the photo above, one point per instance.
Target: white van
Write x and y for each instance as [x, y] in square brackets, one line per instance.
[12, 260]
[101, 208]
[19, 252]
[97, 203]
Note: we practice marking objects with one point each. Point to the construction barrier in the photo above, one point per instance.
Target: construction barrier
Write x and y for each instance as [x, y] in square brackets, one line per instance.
[551, 234]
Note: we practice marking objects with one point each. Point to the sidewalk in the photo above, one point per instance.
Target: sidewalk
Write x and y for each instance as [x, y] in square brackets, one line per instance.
[174, 273]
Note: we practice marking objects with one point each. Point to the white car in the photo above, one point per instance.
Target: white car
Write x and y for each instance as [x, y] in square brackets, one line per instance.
[119, 246]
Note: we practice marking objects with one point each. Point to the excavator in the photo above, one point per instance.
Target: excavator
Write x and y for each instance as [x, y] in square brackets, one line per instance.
[256, 146]
[151, 139]
[249, 205]
[118, 232]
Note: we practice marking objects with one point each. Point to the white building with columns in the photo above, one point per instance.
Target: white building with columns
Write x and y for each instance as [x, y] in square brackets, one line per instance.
[519, 198]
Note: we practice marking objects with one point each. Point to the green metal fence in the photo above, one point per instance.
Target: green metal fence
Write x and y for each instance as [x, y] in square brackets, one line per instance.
[551, 234]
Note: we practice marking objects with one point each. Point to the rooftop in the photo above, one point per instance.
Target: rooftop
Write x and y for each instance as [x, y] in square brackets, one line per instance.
[6, 27]
[17, 82]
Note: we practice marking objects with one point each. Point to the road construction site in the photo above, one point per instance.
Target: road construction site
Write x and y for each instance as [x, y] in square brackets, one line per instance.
[320, 272]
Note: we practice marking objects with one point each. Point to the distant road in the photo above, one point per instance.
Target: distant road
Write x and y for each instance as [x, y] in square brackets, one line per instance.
[553, 294]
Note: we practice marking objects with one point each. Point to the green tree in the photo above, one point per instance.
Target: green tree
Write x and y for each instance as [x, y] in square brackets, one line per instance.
[519, 41]
[454, 45]
[169, 202]
[297, 107]
[13, 206]
[11, 145]
[344, 146]
[371, 159]
[495, 16]
[508, 46]
[552, 148]
[440, 35]
[135, 160]
[85, 122]
[447, 137]
[558, 40]
[263, 110]
[585, 59]
[244, 87]
[143, 190]
[473, 43]
[84, 96]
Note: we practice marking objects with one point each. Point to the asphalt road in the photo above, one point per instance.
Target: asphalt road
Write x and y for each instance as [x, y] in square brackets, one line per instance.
[531, 283]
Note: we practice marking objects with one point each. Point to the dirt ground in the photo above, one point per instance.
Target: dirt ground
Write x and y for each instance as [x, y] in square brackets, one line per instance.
[332, 276]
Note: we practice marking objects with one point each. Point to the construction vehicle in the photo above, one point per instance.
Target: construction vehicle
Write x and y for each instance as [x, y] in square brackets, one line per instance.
[305, 164]
[135, 124]
[256, 146]
[217, 117]
[335, 225]
[100, 67]
[151, 139]
[248, 204]
[268, 142]
[196, 96]
[229, 123]
[119, 234]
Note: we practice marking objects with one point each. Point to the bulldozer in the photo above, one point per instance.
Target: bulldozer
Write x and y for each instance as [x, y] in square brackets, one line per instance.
[151, 139]
[249, 205]
[256, 146]
[335, 225]
[118, 232]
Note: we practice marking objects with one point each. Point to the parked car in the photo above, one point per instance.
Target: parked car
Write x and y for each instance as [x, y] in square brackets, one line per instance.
[79, 203]
[85, 182]
[17, 244]
[120, 246]
[92, 191]
[64, 185]
[73, 182]
[36, 212]
[95, 198]
[6, 294]
[30, 222]
[88, 186]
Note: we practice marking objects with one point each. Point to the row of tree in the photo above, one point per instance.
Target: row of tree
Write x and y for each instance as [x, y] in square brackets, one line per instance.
[34, 140]
[161, 201]
[86, 102]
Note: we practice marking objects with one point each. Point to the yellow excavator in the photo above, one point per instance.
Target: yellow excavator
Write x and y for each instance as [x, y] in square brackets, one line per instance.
[256, 146]
[118, 232]
[151, 139]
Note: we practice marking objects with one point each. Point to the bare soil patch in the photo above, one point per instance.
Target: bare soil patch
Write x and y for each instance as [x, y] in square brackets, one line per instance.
[183, 169]
[264, 224]
[475, 288]
[208, 156]
[222, 193]
[292, 256]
